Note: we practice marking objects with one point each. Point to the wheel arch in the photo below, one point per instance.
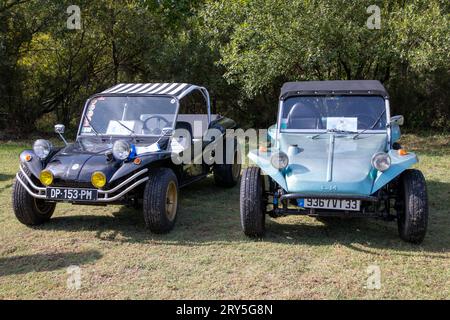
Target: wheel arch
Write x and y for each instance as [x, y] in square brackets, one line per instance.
[398, 166]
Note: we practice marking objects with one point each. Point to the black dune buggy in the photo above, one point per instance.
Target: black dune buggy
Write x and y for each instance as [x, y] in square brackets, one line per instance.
[127, 151]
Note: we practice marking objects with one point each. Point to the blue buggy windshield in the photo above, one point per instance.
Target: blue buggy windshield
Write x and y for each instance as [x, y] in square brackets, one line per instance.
[347, 113]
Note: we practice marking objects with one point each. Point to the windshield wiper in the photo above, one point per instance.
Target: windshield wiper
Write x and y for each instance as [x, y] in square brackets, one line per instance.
[373, 126]
[131, 130]
[333, 131]
[90, 124]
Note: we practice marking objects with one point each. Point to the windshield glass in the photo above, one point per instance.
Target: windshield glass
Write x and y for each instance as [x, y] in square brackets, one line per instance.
[335, 113]
[125, 116]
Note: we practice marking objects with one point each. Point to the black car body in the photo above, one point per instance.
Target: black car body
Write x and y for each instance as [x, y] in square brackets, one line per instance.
[128, 150]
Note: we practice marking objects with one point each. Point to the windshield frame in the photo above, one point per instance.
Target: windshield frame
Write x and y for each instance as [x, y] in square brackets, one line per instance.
[387, 114]
[131, 135]
[280, 112]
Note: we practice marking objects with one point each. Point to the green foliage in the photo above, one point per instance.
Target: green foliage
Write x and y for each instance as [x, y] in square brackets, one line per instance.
[242, 50]
[265, 43]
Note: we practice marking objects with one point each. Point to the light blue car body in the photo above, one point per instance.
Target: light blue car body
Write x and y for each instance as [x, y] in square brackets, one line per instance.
[333, 163]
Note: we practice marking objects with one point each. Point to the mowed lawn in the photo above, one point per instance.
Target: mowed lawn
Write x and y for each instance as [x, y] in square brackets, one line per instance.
[208, 257]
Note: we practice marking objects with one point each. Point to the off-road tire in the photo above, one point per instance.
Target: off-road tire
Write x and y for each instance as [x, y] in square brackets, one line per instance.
[253, 216]
[28, 210]
[328, 220]
[412, 217]
[227, 175]
[155, 200]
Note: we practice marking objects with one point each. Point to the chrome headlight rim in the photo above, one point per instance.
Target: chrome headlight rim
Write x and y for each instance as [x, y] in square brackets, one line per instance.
[279, 160]
[121, 149]
[378, 159]
[42, 148]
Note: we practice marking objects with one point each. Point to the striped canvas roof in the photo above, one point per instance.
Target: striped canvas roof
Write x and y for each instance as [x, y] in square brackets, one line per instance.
[171, 89]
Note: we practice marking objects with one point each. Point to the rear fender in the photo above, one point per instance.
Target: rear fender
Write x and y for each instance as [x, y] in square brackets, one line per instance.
[398, 165]
[262, 160]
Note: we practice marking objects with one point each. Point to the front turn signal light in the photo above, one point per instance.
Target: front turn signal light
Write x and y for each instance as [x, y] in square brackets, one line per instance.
[402, 152]
[46, 177]
[98, 179]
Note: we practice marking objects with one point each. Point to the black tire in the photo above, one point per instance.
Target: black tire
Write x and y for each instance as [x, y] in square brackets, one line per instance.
[28, 210]
[412, 213]
[327, 220]
[253, 217]
[227, 175]
[156, 204]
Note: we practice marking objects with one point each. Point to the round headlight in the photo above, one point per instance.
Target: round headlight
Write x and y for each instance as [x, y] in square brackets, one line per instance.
[121, 149]
[279, 160]
[381, 161]
[42, 148]
[98, 179]
[46, 177]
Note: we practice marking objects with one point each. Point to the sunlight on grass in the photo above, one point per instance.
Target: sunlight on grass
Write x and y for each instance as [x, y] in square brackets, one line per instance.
[207, 256]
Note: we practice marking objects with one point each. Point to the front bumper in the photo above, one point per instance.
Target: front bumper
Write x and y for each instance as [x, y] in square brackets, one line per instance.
[104, 196]
[282, 207]
[328, 196]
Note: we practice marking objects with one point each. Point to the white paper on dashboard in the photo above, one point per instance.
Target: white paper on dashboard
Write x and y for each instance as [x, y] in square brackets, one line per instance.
[151, 148]
[342, 123]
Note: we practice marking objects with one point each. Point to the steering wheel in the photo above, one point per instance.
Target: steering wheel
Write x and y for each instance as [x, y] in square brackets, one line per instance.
[156, 130]
[364, 121]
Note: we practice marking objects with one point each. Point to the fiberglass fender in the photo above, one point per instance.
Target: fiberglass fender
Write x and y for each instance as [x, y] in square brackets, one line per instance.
[398, 165]
[35, 165]
[147, 161]
[262, 160]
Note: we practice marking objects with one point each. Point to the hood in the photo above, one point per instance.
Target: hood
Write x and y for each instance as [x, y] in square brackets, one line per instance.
[77, 162]
[334, 163]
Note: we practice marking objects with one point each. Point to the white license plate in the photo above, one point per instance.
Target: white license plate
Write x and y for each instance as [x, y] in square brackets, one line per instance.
[71, 194]
[336, 204]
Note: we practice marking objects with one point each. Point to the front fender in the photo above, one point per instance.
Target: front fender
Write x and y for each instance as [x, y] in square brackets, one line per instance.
[262, 160]
[127, 168]
[398, 165]
[35, 165]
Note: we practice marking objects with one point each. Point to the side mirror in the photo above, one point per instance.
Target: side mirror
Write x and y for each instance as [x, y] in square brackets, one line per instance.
[167, 132]
[397, 120]
[60, 128]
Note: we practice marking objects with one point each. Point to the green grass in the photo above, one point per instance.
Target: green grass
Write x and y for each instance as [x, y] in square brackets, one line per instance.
[207, 256]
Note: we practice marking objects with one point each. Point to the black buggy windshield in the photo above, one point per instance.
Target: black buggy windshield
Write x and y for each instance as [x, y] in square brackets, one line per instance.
[126, 116]
[343, 113]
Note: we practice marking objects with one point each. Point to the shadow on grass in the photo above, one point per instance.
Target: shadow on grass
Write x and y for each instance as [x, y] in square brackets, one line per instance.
[8, 186]
[209, 215]
[6, 177]
[45, 262]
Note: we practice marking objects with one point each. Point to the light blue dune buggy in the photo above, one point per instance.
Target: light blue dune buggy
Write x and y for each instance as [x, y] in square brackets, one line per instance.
[334, 153]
